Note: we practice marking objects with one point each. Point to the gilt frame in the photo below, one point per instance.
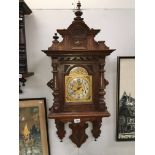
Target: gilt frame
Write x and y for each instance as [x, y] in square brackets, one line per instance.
[33, 129]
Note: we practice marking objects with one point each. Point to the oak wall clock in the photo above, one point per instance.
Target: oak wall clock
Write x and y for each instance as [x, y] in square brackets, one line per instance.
[78, 82]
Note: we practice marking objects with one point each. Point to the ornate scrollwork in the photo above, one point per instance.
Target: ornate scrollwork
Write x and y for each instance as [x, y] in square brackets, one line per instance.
[78, 58]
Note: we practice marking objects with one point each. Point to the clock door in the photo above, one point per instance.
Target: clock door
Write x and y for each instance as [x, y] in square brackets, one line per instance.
[78, 86]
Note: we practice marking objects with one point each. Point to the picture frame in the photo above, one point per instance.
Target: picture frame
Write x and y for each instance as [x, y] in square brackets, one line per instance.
[33, 129]
[125, 113]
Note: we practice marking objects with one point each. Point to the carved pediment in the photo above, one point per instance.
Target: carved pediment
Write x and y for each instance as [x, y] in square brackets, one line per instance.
[78, 36]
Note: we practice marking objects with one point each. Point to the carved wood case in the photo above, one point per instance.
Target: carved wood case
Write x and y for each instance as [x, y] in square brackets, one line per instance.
[23, 66]
[78, 49]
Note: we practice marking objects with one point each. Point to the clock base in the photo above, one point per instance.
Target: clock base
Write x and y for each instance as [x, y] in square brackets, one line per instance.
[78, 124]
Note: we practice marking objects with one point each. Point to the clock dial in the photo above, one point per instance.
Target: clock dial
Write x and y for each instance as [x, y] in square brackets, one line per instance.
[78, 87]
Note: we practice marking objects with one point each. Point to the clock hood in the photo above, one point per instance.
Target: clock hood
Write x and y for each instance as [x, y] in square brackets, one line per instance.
[78, 37]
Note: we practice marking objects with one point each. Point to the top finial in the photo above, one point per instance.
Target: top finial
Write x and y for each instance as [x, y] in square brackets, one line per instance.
[78, 12]
[78, 5]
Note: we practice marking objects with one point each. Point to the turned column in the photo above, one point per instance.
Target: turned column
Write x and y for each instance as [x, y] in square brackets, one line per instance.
[55, 86]
[102, 105]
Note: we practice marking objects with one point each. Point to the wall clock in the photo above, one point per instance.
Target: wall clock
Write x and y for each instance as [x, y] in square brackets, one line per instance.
[78, 81]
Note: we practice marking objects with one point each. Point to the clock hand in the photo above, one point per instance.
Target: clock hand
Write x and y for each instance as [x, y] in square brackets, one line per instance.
[78, 88]
[75, 90]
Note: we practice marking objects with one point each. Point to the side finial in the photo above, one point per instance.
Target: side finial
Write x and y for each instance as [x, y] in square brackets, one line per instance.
[55, 37]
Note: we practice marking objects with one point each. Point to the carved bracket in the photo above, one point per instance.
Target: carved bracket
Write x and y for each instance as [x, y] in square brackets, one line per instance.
[60, 129]
[78, 133]
[96, 127]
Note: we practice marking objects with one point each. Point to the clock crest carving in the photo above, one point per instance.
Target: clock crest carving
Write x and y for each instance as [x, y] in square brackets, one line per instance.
[78, 82]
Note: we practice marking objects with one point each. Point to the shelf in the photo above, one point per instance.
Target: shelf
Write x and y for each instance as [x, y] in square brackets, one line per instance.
[78, 115]
[78, 124]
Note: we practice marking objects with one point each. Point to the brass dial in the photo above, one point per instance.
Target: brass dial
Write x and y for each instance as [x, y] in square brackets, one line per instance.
[78, 88]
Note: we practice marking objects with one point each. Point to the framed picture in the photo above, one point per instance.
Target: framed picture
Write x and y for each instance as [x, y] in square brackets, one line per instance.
[33, 131]
[125, 99]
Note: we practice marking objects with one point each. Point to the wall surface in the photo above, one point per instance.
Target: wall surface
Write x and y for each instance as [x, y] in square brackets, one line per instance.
[62, 4]
[117, 29]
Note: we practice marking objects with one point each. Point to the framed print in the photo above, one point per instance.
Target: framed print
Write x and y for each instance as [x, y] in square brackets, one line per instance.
[125, 99]
[33, 132]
